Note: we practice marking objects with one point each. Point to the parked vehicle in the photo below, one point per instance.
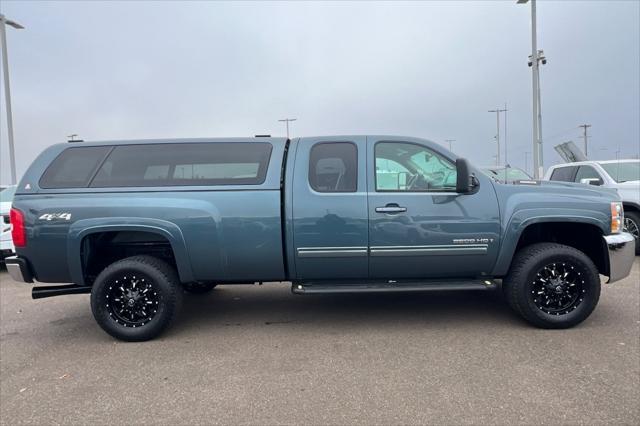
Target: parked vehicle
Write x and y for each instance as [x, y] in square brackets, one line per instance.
[136, 222]
[507, 174]
[621, 175]
[6, 244]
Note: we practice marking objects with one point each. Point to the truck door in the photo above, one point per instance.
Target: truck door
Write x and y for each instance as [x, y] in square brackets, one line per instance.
[419, 227]
[329, 202]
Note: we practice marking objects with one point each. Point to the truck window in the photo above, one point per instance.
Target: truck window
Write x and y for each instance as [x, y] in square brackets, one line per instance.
[564, 174]
[181, 164]
[587, 172]
[333, 167]
[412, 168]
[73, 167]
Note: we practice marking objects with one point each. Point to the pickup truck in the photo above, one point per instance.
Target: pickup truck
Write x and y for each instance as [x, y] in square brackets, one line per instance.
[621, 175]
[139, 223]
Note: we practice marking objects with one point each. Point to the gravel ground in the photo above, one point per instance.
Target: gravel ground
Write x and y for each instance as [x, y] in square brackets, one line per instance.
[260, 355]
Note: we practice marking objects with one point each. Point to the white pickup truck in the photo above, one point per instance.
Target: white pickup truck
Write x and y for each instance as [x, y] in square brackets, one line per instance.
[621, 175]
[6, 243]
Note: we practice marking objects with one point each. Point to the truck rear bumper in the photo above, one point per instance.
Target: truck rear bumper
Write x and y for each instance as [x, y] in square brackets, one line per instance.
[621, 254]
[19, 269]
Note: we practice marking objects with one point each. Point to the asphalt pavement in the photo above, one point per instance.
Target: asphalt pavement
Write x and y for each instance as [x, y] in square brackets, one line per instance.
[261, 355]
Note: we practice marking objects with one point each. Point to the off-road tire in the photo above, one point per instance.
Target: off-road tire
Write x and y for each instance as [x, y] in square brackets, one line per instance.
[518, 285]
[163, 281]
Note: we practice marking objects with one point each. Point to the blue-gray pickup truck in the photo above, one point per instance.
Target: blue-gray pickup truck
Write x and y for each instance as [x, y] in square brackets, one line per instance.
[139, 223]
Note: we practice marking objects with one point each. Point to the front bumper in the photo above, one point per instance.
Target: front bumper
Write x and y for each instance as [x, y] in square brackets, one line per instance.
[19, 269]
[621, 250]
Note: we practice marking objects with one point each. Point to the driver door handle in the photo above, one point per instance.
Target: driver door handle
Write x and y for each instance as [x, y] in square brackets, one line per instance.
[391, 208]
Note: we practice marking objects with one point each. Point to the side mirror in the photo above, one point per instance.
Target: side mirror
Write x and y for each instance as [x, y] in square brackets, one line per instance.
[464, 180]
[591, 181]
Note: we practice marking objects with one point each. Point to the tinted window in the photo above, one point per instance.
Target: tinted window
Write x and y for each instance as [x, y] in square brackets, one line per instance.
[73, 167]
[333, 167]
[564, 174]
[586, 172]
[227, 163]
[411, 167]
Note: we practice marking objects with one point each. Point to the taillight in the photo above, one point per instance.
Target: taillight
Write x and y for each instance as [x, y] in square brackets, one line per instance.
[18, 233]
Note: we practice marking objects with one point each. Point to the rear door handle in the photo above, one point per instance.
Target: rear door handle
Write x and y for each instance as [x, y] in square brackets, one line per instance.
[391, 208]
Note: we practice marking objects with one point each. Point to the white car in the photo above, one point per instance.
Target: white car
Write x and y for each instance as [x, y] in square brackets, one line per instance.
[6, 243]
[622, 175]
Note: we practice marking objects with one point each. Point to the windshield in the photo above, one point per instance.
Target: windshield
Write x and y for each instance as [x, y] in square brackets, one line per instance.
[6, 195]
[623, 172]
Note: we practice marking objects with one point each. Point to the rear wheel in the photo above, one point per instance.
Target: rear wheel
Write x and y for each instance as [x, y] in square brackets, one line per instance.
[632, 226]
[136, 298]
[552, 285]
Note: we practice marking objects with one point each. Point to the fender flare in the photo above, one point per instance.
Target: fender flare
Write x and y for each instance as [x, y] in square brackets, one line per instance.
[514, 229]
[85, 227]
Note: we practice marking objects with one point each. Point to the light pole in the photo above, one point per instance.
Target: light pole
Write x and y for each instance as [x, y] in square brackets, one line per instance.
[287, 120]
[498, 111]
[7, 93]
[450, 141]
[536, 57]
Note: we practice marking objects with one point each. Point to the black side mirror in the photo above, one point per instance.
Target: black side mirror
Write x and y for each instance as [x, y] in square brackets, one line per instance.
[464, 182]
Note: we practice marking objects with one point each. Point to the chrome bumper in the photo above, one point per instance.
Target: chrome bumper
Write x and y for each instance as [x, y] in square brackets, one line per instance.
[621, 254]
[18, 269]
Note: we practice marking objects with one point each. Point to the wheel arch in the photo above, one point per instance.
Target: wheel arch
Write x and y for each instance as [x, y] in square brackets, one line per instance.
[82, 229]
[630, 206]
[581, 232]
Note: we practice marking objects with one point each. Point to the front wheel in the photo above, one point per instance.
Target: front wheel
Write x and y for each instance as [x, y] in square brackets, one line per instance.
[552, 285]
[136, 298]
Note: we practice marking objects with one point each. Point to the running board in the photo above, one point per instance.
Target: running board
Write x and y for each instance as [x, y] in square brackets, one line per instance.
[388, 287]
[58, 290]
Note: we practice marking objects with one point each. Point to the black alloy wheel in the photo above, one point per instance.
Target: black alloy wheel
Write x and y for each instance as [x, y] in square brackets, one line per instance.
[132, 299]
[552, 285]
[558, 288]
[136, 298]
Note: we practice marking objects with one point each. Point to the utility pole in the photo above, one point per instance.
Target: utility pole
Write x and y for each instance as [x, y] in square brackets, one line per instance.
[505, 134]
[450, 141]
[287, 120]
[535, 58]
[498, 111]
[7, 92]
[585, 136]
[526, 161]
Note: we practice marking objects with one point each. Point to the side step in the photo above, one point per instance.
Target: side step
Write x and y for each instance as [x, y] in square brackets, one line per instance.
[387, 287]
[58, 290]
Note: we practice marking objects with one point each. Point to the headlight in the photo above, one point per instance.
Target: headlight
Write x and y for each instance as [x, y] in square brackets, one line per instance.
[617, 217]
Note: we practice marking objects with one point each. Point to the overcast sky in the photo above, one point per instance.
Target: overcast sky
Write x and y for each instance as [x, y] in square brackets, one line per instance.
[121, 70]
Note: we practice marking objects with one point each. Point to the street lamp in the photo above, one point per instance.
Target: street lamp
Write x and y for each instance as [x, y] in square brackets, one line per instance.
[535, 58]
[7, 93]
[287, 120]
